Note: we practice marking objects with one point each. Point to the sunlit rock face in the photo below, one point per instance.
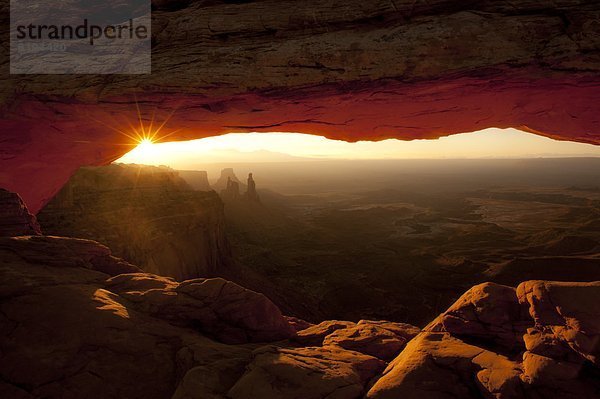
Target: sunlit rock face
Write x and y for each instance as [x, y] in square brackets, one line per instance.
[497, 342]
[345, 69]
[147, 215]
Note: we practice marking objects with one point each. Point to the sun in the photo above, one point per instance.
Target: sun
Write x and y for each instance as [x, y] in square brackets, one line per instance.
[145, 142]
[145, 150]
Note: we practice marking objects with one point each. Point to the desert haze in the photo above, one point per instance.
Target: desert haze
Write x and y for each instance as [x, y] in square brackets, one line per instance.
[398, 240]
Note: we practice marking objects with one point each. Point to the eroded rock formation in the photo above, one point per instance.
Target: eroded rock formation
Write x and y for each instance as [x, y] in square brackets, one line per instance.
[15, 218]
[251, 194]
[146, 215]
[77, 322]
[538, 341]
[344, 69]
[198, 179]
[227, 175]
[217, 307]
[232, 191]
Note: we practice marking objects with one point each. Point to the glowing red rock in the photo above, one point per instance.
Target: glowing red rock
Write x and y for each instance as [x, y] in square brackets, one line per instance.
[350, 70]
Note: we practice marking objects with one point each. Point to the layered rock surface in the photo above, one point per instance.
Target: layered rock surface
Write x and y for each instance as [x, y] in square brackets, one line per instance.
[146, 215]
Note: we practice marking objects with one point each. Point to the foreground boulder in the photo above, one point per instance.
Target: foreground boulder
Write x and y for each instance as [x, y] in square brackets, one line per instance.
[217, 307]
[438, 366]
[65, 335]
[563, 346]
[306, 373]
[381, 340]
[314, 335]
[71, 330]
[488, 313]
[541, 340]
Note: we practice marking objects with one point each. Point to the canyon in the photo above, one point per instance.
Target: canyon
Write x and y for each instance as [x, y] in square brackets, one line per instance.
[394, 240]
[125, 282]
[79, 322]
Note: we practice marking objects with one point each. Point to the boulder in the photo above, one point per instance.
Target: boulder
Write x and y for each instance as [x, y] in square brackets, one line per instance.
[306, 373]
[405, 330]
[217, 307]
[566, 315]
[538, 341]
[78, 340]
[489, 313]
[563, 348]
[438, 366]
[373, 338]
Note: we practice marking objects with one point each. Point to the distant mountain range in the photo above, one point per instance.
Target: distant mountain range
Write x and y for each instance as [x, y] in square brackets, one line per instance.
[235, 156]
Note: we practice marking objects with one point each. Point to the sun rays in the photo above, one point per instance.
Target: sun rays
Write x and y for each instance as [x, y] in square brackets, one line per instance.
[139, 130]
[124, 131]
[135, 132]
[147, 134]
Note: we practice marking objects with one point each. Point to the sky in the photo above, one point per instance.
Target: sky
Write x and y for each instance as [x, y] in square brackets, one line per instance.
[277, 147]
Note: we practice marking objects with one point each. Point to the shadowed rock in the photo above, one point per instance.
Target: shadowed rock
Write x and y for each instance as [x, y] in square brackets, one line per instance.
[564, 343]
[65, 335]
[216, 307]
[67, 252]
[314, 335]
[383, 340]
[15, 219]
[147, 215]
[306, 373]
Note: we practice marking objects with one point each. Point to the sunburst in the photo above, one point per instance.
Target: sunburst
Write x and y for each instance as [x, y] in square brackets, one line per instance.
[142, 132]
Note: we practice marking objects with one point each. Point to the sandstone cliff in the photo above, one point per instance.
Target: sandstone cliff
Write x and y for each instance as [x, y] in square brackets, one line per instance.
[146, 215]
[197, 179]
[227, 174]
